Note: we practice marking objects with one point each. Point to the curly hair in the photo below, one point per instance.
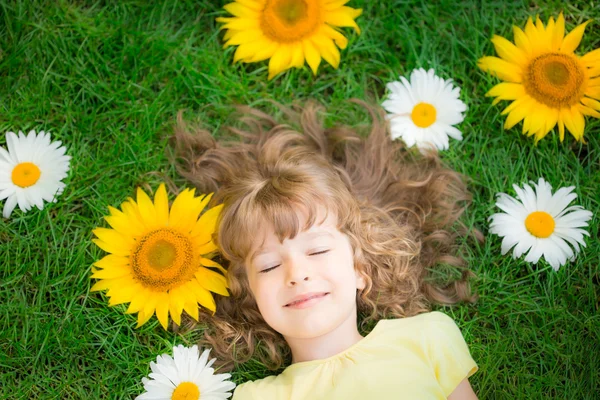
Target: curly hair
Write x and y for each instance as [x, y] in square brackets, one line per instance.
[399, 208]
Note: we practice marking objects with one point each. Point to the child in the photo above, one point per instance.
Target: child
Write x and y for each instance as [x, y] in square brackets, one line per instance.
[321, 226]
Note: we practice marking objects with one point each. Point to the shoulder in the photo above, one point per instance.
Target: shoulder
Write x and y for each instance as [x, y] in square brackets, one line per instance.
[425, 321]
[262, 389]
[433, 331]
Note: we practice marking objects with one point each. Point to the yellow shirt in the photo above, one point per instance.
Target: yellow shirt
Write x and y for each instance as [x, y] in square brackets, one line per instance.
[422, 357]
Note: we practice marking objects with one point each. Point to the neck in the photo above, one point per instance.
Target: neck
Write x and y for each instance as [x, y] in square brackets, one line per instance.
[327, 345]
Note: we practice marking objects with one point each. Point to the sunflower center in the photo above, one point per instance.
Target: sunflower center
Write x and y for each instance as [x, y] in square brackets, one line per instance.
[161, 255]
[555, 79]
[291, 10]
[286, 21]
[540, 224]
[423, 115]
[25, 174]
[163, 259]
[186, 391]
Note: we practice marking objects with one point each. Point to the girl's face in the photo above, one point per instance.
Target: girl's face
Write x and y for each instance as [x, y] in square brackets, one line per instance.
[316, 265]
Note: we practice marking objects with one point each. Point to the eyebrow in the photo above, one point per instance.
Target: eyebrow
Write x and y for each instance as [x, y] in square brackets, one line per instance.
[309, 236]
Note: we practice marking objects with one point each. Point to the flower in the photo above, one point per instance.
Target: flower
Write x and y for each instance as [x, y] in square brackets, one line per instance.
[288, 31]
[159, 257]
[31, 171]
[185, 377]
[424, 110]
[541, 223]
[548, 82]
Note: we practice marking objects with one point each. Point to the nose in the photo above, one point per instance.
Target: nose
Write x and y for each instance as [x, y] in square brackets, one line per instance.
[296, 271]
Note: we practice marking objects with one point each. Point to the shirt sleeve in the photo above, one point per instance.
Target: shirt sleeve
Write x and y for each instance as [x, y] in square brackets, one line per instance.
[448, 352]
[243, 392]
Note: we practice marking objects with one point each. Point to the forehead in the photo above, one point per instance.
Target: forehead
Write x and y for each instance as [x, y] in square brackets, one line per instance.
[324, 222]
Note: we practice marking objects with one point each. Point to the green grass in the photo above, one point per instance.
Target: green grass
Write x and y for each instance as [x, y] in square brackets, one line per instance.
[107, 78]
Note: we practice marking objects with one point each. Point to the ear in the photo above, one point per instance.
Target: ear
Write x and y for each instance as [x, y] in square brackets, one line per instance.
[361, 283]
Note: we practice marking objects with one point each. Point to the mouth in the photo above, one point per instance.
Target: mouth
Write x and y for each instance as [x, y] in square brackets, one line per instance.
[306, 301]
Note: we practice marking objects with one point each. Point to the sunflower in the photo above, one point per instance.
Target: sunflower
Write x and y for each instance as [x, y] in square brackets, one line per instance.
[541, 222]
[159, 258]
[548, 82]
[423, 111]
[288, 31]
[31, 171]
[185, 376]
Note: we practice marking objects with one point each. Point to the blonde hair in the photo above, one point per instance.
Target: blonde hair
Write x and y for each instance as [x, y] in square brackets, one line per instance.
[397, 207]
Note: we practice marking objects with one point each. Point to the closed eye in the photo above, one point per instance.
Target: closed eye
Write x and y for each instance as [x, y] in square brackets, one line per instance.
[268, 269]
[316, 253]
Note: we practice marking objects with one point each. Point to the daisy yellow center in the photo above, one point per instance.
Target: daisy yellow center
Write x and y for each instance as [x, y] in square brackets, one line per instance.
[25, 174]
[286, 21]
[555, 79]
[540, 224]
[423, 115]
[186, 391]
[163, 259]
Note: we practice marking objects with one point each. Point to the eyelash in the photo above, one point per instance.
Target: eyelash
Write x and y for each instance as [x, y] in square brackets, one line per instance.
[264, 271]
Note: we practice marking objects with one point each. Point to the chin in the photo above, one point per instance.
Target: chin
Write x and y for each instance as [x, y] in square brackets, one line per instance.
[312, 326]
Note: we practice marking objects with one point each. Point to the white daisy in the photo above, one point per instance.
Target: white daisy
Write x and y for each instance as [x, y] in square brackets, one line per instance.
[541, 223]
[31, 171]
[422, 111]
[185, 377]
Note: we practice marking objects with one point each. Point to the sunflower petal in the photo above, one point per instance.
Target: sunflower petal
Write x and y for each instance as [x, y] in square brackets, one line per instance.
[591, 103]
[343, 17]
[521, 40]
[242, 11]
[203, 296]
[572, 40]
[112, 261]
[297, 55]
[313, 58]
[161, 205]
[508, 51]
[558, 33]
[184, 210]
[176, 302]
[144, 317]
[328, 51]
[101, 285]
[592, 58]
[588, 111]
[146, 209]
[122, 293]
[593, 92]
[517, 113]
[281, 61]
[501, 68]
[238, 24]
[114, 248]
[263, 51]
[210, 263]
[244, 37]
[507, 91]
[561, 128]
[149, 308]
[574, 122]
[190, 305]
[212, 281]
[340, 39]
[111, 273]
[162, 310]
[138, 301]
[244, 52]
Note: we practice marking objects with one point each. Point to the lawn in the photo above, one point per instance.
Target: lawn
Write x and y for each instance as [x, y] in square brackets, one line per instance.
[108, 78]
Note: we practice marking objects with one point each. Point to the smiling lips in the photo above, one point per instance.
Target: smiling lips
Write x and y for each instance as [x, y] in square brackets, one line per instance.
[306, 300]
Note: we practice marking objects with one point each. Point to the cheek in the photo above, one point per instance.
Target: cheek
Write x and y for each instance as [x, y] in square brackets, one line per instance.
[342, 273]
[265, 296]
